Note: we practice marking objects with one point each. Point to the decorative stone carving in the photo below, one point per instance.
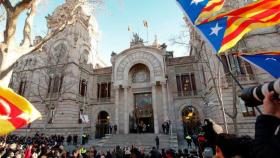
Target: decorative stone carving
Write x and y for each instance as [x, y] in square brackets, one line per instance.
[140, 74]
[84, 57]
[136, 40]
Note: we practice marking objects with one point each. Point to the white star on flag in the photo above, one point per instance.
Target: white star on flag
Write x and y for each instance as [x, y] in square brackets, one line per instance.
[271, 59]
[196, 1]
[216, 29]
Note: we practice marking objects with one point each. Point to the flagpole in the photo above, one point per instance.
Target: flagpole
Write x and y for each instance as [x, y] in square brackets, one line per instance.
[147, 29]
[231, 74]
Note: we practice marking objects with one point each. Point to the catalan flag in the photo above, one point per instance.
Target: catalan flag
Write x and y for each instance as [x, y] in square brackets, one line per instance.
[225, 32]
[269, 62]
[259, 10]
[211, 7]
[145, 22]
[15, 111]
[195, 9]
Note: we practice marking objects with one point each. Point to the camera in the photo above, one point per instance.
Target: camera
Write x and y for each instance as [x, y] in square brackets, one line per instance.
[254, 96]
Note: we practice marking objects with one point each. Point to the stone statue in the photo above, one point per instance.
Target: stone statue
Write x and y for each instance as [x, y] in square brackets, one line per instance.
[136, 40]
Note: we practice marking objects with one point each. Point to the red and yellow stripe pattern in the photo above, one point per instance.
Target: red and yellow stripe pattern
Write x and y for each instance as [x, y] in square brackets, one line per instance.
[238, 27]
[251, 11]
[211, 7]
[15, 111]
[260, 14]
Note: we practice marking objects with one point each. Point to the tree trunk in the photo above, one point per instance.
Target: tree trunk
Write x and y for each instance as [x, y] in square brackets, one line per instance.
[6, 68]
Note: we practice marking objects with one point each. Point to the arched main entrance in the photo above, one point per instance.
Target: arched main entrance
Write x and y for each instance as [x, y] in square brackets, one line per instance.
[191, 121]
[141, 119]
[102, 124]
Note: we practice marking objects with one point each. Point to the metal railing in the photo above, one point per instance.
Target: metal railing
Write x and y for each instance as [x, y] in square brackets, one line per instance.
[183, 94]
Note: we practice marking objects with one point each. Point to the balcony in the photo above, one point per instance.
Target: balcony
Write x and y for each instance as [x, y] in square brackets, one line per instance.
[243, 79]
[103, 100]
[185, 94]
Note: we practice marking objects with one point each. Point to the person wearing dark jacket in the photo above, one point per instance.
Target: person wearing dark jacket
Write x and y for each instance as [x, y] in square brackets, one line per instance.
[267, 134]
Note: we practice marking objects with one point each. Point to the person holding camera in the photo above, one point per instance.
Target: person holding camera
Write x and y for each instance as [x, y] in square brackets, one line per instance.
[267, 132]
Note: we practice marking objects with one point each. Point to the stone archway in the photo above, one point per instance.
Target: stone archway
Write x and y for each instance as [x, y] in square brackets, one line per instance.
[148, 59]
[190, 120]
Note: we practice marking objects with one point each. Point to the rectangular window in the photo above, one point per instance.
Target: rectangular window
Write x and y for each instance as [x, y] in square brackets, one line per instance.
[203, 75]
[83, 87]
[248, 68]
[238, 65]
[104, 90]
[186, 85]
[98, 90]
[109, 90]
[21, 89]
[55, 84]
[193, 84]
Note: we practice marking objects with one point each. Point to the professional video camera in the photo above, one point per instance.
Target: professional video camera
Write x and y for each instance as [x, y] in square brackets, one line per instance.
[254, 96]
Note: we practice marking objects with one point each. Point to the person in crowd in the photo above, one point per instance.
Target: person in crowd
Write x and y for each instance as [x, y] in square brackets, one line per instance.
[267, 129]
[69, 139]
[83, 139]
[155, 153]
[157, 142]
[75, 139]
[163, 127]
[229, 145]
[189, 141]
[167, 127]
[115, 129]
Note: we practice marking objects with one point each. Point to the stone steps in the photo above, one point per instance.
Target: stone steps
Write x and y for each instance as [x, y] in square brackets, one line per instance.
[147, 141]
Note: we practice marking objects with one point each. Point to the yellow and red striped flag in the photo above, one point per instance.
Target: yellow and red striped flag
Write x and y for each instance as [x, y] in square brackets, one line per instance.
[211, 7]
[145, 22]
[223, 32]
[15, 111]
[256, 11]
[196, 9]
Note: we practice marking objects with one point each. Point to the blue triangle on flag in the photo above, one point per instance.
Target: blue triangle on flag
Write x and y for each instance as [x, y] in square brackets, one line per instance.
[193, 8]
[269, 63]
[214, 32]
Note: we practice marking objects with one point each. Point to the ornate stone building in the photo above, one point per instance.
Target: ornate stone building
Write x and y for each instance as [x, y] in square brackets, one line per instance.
[145, 86]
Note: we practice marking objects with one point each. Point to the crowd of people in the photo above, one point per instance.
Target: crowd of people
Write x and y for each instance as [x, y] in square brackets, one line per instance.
[265, 145]
[42, 146]
[213, 142]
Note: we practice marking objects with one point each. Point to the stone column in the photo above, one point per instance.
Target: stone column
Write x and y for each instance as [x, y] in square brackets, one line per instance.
[117, 107]
[164, 96]
[156, 127]
[126, 117]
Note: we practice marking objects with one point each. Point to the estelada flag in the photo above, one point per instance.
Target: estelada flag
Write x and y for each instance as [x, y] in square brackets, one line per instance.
[224, 33]
[225, 30]
[196, 9]
[260, 10]
[268, 61]
[15, 111]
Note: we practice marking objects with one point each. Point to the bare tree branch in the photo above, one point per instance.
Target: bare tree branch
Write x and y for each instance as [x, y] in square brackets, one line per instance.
[28, 23]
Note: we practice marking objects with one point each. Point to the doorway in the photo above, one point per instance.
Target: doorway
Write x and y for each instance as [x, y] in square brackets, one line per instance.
[102, 125]
[143, 120]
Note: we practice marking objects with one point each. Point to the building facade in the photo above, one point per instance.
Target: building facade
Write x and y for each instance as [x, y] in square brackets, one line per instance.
[144, 88]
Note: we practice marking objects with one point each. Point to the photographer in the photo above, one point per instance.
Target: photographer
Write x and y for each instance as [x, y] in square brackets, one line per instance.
[267, 136]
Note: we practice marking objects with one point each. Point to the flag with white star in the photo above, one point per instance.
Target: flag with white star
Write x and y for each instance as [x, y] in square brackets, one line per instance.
[270, 62]
[225, 32]
[214, 32]
[200, 8]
